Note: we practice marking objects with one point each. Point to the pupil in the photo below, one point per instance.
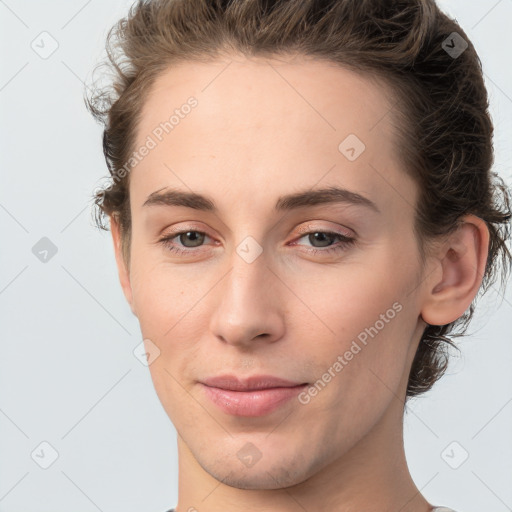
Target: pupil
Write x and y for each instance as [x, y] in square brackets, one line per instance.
[193, 235]
[320, 235]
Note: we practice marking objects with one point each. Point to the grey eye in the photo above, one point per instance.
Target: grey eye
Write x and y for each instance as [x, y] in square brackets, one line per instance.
[196, 237]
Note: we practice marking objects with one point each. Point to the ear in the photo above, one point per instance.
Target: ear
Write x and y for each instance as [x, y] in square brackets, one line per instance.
[122, 267]
[460, 266]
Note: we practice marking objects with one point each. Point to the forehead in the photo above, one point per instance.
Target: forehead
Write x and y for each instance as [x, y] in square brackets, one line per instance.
[261, 124]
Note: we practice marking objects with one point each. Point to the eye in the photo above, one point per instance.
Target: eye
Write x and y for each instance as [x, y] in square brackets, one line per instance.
[325, 239]
[189, 239]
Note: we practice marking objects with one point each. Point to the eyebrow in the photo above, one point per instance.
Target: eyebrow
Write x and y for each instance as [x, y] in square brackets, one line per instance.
[306, 198]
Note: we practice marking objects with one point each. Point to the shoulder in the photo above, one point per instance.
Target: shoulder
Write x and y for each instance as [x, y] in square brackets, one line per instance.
[436, 509]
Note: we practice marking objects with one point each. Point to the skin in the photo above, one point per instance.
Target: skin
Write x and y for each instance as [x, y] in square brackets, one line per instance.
[264, 128]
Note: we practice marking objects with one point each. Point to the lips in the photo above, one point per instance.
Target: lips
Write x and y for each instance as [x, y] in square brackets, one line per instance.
[252, 396]
[255, 383]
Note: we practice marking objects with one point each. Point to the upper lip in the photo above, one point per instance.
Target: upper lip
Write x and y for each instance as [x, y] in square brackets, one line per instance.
[256, 382]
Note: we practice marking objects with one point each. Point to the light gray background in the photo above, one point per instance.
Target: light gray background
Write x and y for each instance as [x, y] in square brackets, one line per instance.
[67, 372]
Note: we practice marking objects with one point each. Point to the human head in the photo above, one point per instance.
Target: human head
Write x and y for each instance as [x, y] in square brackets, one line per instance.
[439, 104]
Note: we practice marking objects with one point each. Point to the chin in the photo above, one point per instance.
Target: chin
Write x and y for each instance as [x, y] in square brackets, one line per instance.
[258, 480]
[264, 474]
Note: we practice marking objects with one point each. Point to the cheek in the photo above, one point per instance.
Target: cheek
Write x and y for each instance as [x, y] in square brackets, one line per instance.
[349, 300]
[371, 320]
[171, 314]
[171, 305]
[164, 297]
[359, 368]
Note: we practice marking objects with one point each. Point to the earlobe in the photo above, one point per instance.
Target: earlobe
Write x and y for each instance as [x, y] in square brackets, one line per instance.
[462, 260]
[122, 268]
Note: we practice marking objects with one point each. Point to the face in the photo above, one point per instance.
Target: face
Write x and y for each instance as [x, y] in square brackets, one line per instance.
[265, 275]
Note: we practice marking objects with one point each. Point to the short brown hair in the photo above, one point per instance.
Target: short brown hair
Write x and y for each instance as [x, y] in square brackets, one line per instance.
[441, 111]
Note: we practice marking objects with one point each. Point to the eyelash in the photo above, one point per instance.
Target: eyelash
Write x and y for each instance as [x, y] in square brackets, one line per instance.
[345, 242]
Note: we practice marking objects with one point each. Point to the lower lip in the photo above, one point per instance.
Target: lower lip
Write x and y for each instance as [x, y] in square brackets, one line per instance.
[251, 403]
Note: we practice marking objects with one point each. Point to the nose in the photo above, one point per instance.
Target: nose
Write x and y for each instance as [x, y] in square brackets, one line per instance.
[249, 304]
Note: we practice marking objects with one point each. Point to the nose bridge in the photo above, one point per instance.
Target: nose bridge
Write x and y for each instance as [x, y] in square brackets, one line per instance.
[249, 270]
[247, 283]
[247, 300]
